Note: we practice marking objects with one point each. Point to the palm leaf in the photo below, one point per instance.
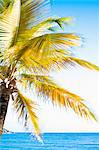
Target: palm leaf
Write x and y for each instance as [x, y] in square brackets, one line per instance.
[82, 63]
[60, 60]
[49, 51]
[63, 21]
[3, 5]
[5, 71]
[25, 107]
[14, 57]
[9, 22]
[31, 15]
[41, 46]
[1, 77]
[37, 49]
[47, 88]
[43, 27]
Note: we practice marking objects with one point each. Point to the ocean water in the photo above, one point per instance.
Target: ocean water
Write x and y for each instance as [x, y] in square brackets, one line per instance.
[52, 141]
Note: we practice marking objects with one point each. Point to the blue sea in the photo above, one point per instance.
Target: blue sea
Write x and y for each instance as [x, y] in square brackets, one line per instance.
[52, 141]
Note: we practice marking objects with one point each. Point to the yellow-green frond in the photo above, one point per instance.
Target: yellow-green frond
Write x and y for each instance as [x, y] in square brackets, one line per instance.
[39, 54]
[1, 77]
[31, 15]
[26, 107]
[45, 44]
[17, 55]
[48, 24]
[3, 5]
[47, 88]
[9, 22]
[60, 59]
[82, 63]
[4, 71]
[41, 47]
[63, 21]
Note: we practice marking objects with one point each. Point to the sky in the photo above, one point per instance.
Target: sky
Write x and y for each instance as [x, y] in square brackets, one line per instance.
[75, 1]
[78, 80]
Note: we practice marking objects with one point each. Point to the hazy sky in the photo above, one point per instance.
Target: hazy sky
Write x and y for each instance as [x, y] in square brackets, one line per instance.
[80, 81]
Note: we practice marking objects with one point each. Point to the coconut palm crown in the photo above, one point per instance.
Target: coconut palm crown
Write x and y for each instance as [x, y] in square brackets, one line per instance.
[30, 47]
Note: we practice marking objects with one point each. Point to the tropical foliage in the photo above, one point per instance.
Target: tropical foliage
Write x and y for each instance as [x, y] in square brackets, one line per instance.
[31, 45]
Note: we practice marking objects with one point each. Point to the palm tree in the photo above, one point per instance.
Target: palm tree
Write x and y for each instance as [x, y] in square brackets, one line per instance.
[29, 49]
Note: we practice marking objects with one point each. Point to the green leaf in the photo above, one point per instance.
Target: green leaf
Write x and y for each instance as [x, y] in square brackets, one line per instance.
[9, 22]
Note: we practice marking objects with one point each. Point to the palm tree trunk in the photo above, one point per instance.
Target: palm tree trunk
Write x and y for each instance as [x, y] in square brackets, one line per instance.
[4, 100]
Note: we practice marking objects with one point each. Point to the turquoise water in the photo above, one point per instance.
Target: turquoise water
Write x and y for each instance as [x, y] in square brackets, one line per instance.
[52, 141]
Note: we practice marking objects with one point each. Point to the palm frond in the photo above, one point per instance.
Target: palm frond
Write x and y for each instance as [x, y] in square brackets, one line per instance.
[43, 45]
[48, 51]
[25, 107]
[32, 13]
[1, 77]
[3, 5]
[14, 55]
[4, 70]
[63, 21]
[9, 22]
[43, 27]
[37, 49]
[47, 88]
[83, 63]
[60, 60]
